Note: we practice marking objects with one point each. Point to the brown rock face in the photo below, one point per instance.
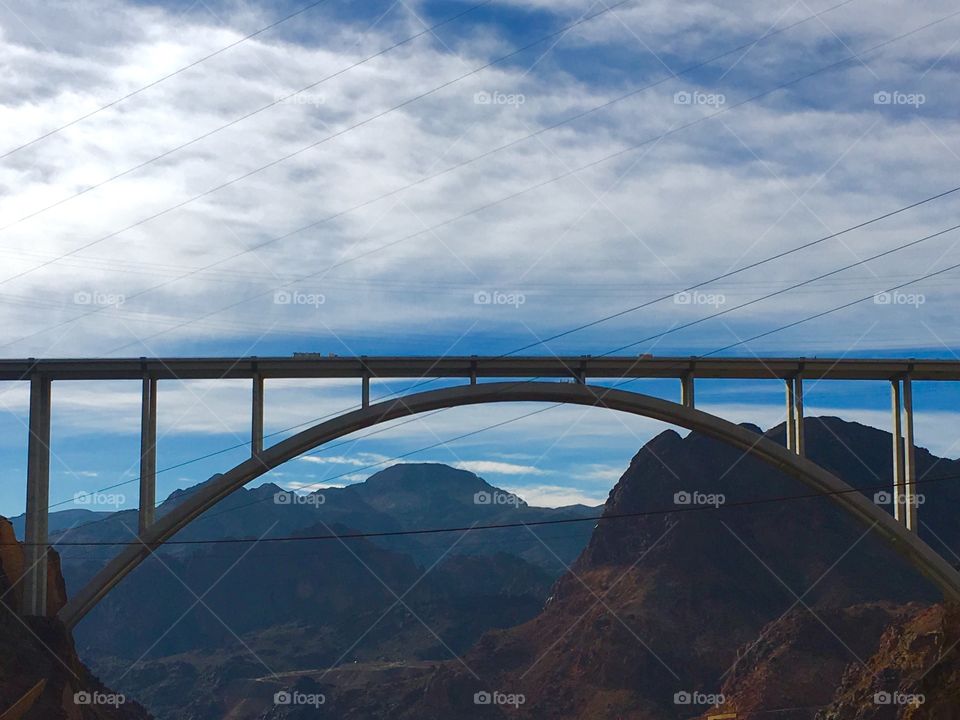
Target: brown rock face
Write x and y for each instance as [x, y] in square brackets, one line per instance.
[11, 563]
[914, 674]
[41, 648]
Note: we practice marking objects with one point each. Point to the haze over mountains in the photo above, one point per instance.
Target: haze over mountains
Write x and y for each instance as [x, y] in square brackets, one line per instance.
[786, 607]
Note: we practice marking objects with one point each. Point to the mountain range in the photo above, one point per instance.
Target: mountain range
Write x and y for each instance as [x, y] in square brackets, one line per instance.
[752, 604]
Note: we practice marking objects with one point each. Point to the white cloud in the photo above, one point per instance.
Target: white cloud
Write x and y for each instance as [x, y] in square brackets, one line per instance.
[358, 460]
[494, 467]
[556, 496]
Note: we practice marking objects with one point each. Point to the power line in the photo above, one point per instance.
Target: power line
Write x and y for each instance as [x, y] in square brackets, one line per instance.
[159, 80]
[787, 289]
[675, 510]
[739, 270]
[839, 307]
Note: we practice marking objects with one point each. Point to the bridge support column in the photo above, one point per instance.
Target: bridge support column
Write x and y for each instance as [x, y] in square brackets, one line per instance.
[148, 454]
[795, 438]
[38, 498]
[904, 455]
[899, 486]
[686, 390]
[365, 391]
[256, 417]
[909, 459]
[791, 415]
[798, 436]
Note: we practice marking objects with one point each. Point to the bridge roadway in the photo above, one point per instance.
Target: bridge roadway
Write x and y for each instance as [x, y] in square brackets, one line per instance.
[316, 365]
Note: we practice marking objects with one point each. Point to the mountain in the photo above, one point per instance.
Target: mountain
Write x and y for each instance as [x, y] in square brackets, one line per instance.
[302, 604]
[765, 603]
[401, 497]
[663, 615]
[40, 650]
[914, 673]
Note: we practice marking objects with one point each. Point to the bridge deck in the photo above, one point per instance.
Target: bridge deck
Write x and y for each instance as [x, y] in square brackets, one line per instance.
[322, 366]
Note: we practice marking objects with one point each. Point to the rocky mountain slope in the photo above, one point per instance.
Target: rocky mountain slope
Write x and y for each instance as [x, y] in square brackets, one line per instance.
[40, 650]
[756, 609]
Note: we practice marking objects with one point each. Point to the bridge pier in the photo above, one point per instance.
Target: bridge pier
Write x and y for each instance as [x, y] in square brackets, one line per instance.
[794, 429]
[898, 467]
[686, 390]
[791, 407]
[904, 455]
[365, 391]
[148, 455]
[256, 417]
[38, 498]
[909, 458]
[798, 436]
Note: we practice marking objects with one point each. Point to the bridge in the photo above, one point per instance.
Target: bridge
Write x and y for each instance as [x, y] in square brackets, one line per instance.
[506, 379]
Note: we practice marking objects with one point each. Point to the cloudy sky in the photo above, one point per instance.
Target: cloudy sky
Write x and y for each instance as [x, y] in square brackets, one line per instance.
[356, 177]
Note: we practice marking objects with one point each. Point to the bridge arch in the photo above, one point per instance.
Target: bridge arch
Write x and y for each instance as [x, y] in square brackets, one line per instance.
[908, 544]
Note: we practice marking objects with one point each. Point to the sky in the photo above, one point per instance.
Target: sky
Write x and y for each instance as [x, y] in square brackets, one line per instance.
[360, 177]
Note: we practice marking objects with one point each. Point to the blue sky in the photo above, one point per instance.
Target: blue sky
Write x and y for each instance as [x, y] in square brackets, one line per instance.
[394, 257]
